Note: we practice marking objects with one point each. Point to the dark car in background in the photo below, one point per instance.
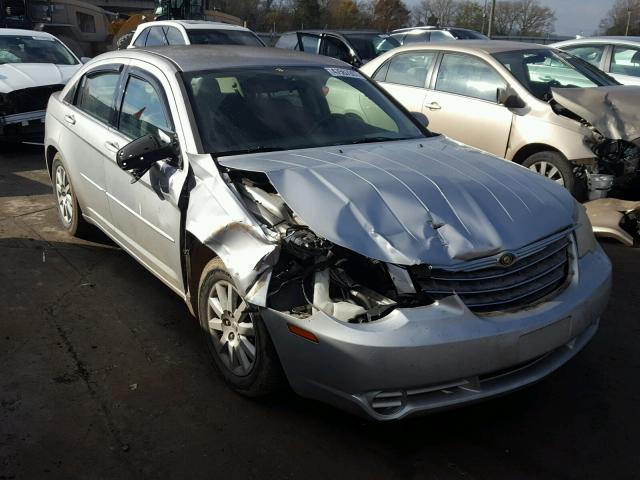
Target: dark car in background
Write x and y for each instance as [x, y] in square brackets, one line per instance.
[352, 46]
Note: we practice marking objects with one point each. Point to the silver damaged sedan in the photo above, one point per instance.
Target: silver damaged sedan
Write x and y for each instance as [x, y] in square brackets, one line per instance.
[320, 233]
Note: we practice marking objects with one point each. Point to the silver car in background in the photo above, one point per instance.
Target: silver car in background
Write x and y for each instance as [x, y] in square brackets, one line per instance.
[617, 56]
[337, 245]
[537, 106]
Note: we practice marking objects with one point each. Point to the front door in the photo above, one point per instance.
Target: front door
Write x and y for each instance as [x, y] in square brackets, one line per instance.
[146, 212]
[463, 104]
[87, 119]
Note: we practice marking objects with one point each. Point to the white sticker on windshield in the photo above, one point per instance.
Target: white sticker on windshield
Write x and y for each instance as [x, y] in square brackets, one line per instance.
[45, 39]
[343, 72]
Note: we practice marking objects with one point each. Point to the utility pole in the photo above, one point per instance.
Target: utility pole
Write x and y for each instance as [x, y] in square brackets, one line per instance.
[484, 16]
[491, 18]
[626, 32]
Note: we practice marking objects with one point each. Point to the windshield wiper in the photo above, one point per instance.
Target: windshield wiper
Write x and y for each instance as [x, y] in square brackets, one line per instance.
[377, 139]
[249, 150]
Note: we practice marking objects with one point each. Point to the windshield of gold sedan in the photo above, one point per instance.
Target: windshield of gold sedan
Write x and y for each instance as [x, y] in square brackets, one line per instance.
[280, 108]
[540, 70]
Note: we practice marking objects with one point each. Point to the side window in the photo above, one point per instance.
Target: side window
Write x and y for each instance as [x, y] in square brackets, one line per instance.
[441, 37]
[289, 41]
[309, 43]
[589, 53]
[174, 36]
[469, 76]
[625, 61]
[420, 37]
[381, 73]
[142, 110]
[410, 68]
[335, 48]
[142, 38]
[156, 37]
[96, 95]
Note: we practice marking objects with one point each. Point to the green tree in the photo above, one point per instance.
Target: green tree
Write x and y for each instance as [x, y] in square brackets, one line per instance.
[307, 13]
[470, 14]
[389, 14]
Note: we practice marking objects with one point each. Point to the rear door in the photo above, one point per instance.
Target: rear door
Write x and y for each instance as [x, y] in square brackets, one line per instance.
[405, 77]
[146, 212]
[89, 114]
[624, 64]
[462, 103]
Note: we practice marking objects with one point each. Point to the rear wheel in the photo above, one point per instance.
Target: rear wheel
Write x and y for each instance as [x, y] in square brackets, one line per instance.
[236, 336]
[69, 211]
[555, 167]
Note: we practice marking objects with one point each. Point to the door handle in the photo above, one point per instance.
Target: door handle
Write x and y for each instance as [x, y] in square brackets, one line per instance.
[112, 146]
[433, 106]
[70, 119]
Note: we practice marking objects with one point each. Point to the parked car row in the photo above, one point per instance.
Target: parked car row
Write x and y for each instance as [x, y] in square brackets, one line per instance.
[321, 234]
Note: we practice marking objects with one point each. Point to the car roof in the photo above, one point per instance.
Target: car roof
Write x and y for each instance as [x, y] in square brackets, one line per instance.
[608, 39]
[21, 32]
[197, 25]
[193, 58]
[339, 32]
[427, 27]
[470, 46]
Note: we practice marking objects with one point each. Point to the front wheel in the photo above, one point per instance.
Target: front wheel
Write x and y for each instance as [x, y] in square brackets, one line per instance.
[555, 167]
[69, 211]
[236, 336]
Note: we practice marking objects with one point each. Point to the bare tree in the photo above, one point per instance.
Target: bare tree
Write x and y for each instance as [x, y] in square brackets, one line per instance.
[623, 11]
[533, 18]
[443, 11]
[505, 18]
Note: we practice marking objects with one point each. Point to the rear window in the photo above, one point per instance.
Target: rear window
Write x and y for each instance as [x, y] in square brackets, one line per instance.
[223, 37]
[370, 45]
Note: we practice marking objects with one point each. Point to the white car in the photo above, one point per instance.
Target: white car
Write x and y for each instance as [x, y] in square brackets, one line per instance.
[617, 56]
[33, 65]
[192, 32]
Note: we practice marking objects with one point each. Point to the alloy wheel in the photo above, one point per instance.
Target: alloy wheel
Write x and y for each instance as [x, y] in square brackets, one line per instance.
[548, 170]
[64, 195]
[231, 328]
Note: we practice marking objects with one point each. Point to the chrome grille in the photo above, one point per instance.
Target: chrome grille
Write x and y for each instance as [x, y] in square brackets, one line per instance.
[530, 278]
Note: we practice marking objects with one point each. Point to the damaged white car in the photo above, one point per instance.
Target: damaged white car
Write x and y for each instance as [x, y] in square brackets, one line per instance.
[320, 234]
[33, 65]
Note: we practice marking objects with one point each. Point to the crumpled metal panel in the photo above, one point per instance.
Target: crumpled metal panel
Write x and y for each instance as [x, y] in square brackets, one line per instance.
[410, 202]
[218, 219]
[606, 214]
[612, 110]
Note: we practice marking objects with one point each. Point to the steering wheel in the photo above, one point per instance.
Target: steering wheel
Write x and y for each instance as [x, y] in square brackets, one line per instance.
[320, 122]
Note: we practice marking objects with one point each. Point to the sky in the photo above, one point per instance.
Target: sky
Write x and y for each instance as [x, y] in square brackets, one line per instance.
[572, 16]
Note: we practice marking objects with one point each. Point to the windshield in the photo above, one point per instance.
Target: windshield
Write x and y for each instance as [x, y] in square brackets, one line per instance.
[251, 110]
[27, 49]
[467, 34]
[370, 45]
[540, 70]
[223, 37]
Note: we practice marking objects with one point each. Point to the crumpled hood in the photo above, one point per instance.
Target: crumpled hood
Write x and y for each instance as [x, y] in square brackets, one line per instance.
[16, 76]
[430, 201]
[612, 110]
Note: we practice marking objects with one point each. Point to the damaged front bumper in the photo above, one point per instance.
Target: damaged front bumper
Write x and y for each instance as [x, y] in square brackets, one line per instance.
[23, 127]
[441, 355]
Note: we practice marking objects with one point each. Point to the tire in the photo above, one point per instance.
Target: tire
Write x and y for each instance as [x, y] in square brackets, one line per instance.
[554, 166]
[225, 333]
[69, 211]
[123, 41]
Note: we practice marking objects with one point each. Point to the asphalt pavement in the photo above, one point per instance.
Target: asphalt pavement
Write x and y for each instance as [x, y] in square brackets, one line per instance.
[103, 374]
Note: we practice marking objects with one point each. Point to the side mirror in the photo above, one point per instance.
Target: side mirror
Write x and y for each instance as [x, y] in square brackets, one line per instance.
[421, 118]
[509, 98]
[141, 154]
[85, 59]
